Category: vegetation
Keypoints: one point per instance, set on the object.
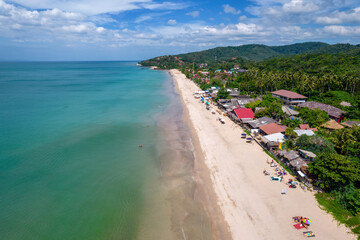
(335, 171)
(314, 117)
(346, 141)
(222, 94)
(315, 144)
(329, 203)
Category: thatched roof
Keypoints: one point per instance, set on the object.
(350, 124)
(331, 110)
(332, 124)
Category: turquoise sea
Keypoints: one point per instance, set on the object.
(70, 165)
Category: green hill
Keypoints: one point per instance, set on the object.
(253, 52)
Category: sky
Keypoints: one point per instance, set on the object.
(77, 30)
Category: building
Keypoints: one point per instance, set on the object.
(244, 113)
(291, 98)
(307, 127)
(289, 111)
(304, 132)
(307, 155)
(351, 124)
(272, 128)
(333, 112)
(255, 124)
(332, 125)
(276, 137)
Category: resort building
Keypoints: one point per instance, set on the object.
(255, 124)
(242, 113)
(272, 128)
(351, 124)
(304, 132)
(307, 127)
(333, 112)
(290, 98)
(332, 125)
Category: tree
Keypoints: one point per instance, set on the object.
(315, 144)
(349, 198)
(222, 94)
(335, 171)
(347, 141)
(314, 117)
(290, 133)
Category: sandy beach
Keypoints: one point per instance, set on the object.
(252, 206)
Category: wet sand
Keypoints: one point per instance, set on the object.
(180, 207)
(251, 205)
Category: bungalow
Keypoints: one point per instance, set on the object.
(255, 124)
(272, 141)
(304, 132)
(307, 155)
(333, 112)
(351, 124)
(332, 125)
(272, 128)
(307, 127)
(244, 113)
(289, 97)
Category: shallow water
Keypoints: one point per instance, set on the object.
(70, 166)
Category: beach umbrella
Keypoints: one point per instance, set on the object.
(306, 221)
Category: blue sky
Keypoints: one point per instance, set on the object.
(140, 29)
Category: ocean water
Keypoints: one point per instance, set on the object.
(70, 165)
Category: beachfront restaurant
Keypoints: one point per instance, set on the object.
(272, 141)
(307, 155)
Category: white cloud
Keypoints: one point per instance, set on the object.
(229, 9)
(93, 7)
(143, 18)
(300, 6)
(165, 5)
(194, 14)
(172, 22)
(352, 16)
(342, 30)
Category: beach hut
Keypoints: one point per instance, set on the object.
(332, 125)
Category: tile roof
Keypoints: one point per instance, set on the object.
(272, 128)
(288, 94)
(331, 110)
(307, 127)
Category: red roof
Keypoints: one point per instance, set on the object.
(272, 128)
(288, 94)
(307, 127)
(304, 126)
(244, 113)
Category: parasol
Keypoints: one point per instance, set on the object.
(306, 221)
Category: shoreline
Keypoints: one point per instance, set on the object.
(204, 193)
(251, 206)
